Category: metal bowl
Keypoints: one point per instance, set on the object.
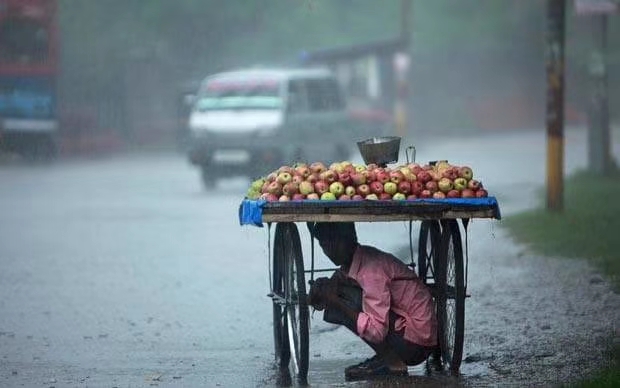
(380, 150)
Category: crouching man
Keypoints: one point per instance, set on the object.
(377, 297)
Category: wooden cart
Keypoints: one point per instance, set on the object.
(441, 262)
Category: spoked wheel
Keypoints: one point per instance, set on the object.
(280, 325)
(451, 296)
(430, 236)
(294, 323)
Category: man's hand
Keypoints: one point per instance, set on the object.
(322, 292)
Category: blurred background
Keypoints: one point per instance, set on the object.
(120, 68)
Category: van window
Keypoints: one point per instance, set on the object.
(297, 99)
(239, 94)
(324, 95)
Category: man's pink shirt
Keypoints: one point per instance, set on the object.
(389, 284)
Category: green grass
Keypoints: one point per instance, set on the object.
(589, 227)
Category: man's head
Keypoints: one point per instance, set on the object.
(337, 239)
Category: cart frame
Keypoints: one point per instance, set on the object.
(441, 264)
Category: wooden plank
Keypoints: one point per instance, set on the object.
(363, 217)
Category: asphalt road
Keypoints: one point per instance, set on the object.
(123, 272)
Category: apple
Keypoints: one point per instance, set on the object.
(336, 166)
(328, 196)
(345, 178)
(466, 172)
(417, 187)
(460, 183)
(411, 197)
(337, 188)
(284, 198)
(358, 178)
(298, 197)
(363, 190)
(431, 186)
(397, 176)
(312, 178)
(350, 191)
(439, 195)
(426, 194)
(357, 197)
(321, 187)
(390, 188)
(382, 176)
(404, 187)
(371, 175)
(371, 197)
(399, 197)
(317, 167)
(297, 179)
(468, 193)
(306, 188)
(269, 197)
(284, 177)
(329, 176)
(453, 194)
(474, 185)
(303, 170)
(385, 196)
(407, 174)
(275, 188)
(424, 176)
(271, 176)
(290, 188)
(287, 169)
(265, 185)
(313, 196)
(344, 197)
(360, 168)
(482, 193)
(257, 184)
(445, 185)
(435, 176)
(376, 187)
(414, 168)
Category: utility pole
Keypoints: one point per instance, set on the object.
(556, 24)
(401, 67)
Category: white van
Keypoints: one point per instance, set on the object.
(251, 122)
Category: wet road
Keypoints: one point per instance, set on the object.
(123, 272)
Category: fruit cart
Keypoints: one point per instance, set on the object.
(441, 262)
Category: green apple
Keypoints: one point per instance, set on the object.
(328, 196)
(390, 187)
(399, 197)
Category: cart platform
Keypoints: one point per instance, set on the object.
(257, 212)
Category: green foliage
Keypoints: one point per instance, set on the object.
(587, 228)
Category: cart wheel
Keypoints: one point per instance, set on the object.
(427, 248)
(451, 296)
(296, 308)
(280, 326)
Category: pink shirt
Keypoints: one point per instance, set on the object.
(411, 300)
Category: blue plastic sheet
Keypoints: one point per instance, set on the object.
(251, 211)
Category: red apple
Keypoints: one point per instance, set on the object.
(382, 176)
(344, 197)
(468, 193)
(321, 187)
(417, 187)
(312, 178)
(439, 195)
(358, 178)
(474, 185)
(290, 188)
(363, 190)
(345, 178)
(404, 187)
(426, 194)
(317, 167)
(329, 176)
(423, 176)
(303, 170)
(431, 186)
(482, 193)
(357, 197)
(453, 194)
(313, 196)
(385, 196)
(298, 197)
(275, 188)
(297, 178)
(269, 197)
(376, 187)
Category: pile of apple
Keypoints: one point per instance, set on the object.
(347, 181)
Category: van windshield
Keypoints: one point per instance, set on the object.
(245, 94)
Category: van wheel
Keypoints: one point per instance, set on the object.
(208, 179)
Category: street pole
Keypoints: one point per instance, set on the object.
(556, 20)
(402, 74)
(599, 152)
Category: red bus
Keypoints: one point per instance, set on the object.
(29, 56)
